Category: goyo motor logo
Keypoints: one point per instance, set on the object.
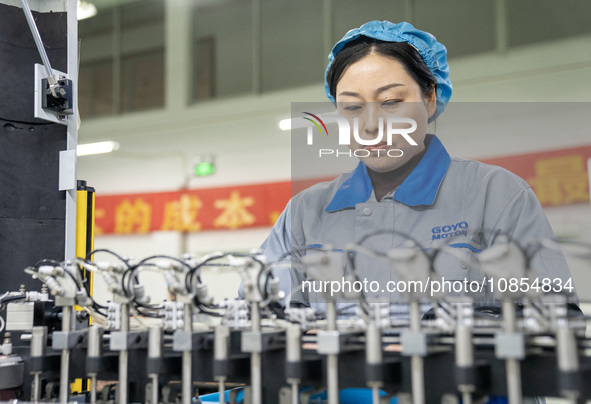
(389, 130)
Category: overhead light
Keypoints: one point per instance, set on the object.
(293, 123)
(96, 148)
(285, 124)
(85, 10)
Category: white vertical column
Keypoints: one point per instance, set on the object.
(501, 26)
(117, 56)
(178, 54)
(327, 11)
(409, 11)
(72, 127)
(257, 47)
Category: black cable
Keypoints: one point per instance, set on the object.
(145, 260)
(61, 265)
(148, 306)
(125, 287)
(97, 308)
(105, 250)
(142, 262)
(26, 123)
(76, 281)
(190, 277)
(48, 261)
(353, 254)
(100, 306)
(264, 293)
(204, 310)
(151, 315)
(13, 298)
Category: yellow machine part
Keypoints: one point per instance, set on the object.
(84, 245)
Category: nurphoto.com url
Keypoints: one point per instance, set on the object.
(436, 286)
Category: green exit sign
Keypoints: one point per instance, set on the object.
(204, 169)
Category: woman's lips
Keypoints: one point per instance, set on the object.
(376, 147)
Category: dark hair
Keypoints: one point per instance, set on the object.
(402, 52)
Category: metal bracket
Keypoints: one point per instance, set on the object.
(48, 107)
(124, 341)
(253, 342)
(510, 346)
(186, 341)
(335, 342)
(69, 340)
(414, 343)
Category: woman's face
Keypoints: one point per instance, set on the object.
(379, 87)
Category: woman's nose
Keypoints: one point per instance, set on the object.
(372, 121)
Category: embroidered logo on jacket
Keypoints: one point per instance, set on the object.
(448, 230)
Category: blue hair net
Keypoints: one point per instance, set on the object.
(433, 53)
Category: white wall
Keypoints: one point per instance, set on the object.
(243, 134)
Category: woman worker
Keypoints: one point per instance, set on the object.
(384, 69)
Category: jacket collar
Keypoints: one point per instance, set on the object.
(419, 188)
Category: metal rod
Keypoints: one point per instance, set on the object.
(466, 398)
(332, 360)
(512, 366)
(155, 352)
(567, 357)
(220, 353)
(221, 389)
(37, 37)
(464, 348)
(295, 396)
(38, 348)
(513, 370)
(36, 388)
(332, 370)
(294, 355)
(154, 391)
(95, 350)
(416, 362)
(415, 316)
(93, 389)
(187, 384)
(331, 316)
(256, 380)
(123, 357)
(65, 357)
(418, 382)
(375, 395)
(373, 356)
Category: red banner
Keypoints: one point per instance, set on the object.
(558, 178)
(192, 210)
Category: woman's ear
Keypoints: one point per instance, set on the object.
(431, 101)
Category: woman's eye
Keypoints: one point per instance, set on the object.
(352, 108)
(391, 103)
